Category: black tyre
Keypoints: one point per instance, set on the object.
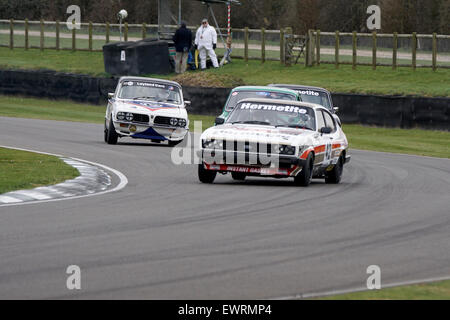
(174, 143)
(334, 176)
(238, 176)
(206, 176)
(111, 135)
(305, 176)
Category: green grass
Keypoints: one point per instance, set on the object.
(26, 170)
(404, 81)
(412, 141)
(427, 291)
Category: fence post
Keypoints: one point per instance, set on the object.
(11, 34)
(90, 35)
(246, 44)
(74, 37)
(282, 57)
(42, 35)
(308, 49)
(414, 50)
(336, 50)
(318, 47)
(374, 50)
(27, 44)
(394, 51)
(125, 33)
(144, 31)
(107, 32)
(354, 44)
(57, 35)
(263, 45)
(434, 51)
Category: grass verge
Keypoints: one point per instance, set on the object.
(383, 80)
(27, 170)
(426, 291)
(411, 141)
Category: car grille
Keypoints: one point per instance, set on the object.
(162, 120)
(140, 118)
(247, 153)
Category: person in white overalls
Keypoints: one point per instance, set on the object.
(206, 42)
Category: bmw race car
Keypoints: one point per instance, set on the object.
(146, 108)
(275, 138)
(313, 95)
(246, 92)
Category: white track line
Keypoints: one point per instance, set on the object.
(122, 184)
(353, 290)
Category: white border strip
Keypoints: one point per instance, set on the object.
(122, 183)
(354, 290)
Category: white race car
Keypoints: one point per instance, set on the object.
(275, 138)
(146, 108)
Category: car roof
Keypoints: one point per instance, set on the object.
(297, 87)
(131, 78)
(265, 88)
(285, 102)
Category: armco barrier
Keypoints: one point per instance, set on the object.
(383, 111)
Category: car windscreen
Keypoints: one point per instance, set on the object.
(240, 95)
(279, 115)
(152, 91)
(317, 97)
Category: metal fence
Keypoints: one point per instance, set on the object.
(373, 49)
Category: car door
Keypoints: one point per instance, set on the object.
(321, 140)
(331, 138)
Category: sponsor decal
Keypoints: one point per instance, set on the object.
(273, 107)
(309, 93)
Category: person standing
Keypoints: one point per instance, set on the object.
(183, 42)
(206, 43)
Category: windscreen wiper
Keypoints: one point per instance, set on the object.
(296, 126)
(253, 122)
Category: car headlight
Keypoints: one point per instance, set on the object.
(212, 144)
(129, 116)
(173, 121)
(182, 122)
(289, 150)
(120, 116)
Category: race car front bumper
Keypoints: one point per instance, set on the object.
(140, 131)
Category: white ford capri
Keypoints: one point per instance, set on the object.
(275, 138)
(146, 108)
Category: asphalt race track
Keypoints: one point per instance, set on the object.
(167, 236)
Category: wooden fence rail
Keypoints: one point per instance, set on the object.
(314, 49)
(290, 46)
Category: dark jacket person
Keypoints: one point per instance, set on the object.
(183, 43)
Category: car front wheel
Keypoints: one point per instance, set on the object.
(305, 176)
(111, 135)
(206, 176)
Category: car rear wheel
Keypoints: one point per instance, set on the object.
(111, 135)
(238, 176)
(334, 176)
(305, 176)
(206, 176)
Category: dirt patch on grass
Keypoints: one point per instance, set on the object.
(207, 79)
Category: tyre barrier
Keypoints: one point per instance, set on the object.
(383, 111)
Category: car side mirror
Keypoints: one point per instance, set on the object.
(187, 103)
(110, 95)
(219, 121)
(326, 130)
(336, 109)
